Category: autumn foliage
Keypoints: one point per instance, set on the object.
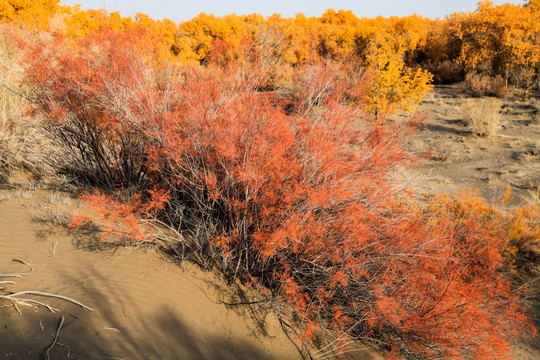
(290, 193)
(260, 147)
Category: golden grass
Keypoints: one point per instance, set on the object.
(482, 116)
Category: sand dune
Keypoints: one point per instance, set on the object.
(144, 307)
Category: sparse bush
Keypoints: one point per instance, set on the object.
(536, 109)
(525, 78)
(99, 127)
(483, 85)
(482, 116)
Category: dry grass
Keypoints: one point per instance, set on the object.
(23, 144)
(482, 116)
(56, 209)
(536, 112)
(534, 194)
(17, 194)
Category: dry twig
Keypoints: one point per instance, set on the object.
(14, 298)
(21, 261)
(11, 275)
(55, 338)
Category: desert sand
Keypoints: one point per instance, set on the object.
(460, 159)
(143, 306)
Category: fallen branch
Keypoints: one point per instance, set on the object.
(242, 302)
(55, 338)
(304, 354)
(13, 297)
(29, 302)
(11, 275)
(21, 261)
(16, 308)
(111, 328)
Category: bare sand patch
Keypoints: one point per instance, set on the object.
(461, 159)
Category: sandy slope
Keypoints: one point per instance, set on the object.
(144, 307)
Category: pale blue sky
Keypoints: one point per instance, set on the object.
(179, 10)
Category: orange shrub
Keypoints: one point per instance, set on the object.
(296, 202)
